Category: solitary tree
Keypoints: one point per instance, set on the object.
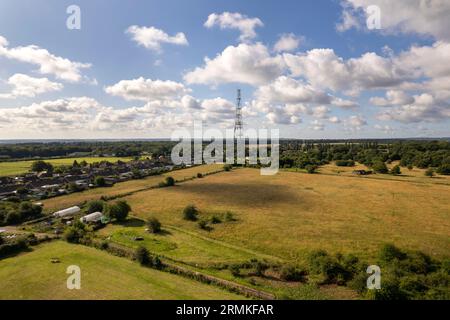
(170, 181)
(100, 181)
(119, 210)
(154, 225)
(143, 256)
(39, 166)
(380, 167)
(95, 206)
(190, 213)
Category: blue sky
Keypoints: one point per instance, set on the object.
(391, 93)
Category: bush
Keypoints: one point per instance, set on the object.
(390, 290)
(229, 216)
(396, 170)
(311, 169)
(235, 270)
(119, 211)
(154, 225)
(203, 224)
(39, 166)
(292, 273)
(26, 210)
(345, 163)
(227, 167)
(12, 217)
(321, 263)
(143, 256)
(100, 181)
(190, 213)
(389, 253)
(170, 182)
(215, 220)
(199, 175)
(429, 172)
(75, 233)
(380, 167)
(95, 206)
(444, 169)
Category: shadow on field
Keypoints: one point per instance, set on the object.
(244, 193)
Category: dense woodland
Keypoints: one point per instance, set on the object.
(421, 154)
(95, 148)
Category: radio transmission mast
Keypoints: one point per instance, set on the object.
(238, 123)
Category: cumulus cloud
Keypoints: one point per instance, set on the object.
(286, 90)
(86, 114)
(323, 68)
(26, 86)
(384, 128)
(423, 17)
(147, 89)
(238, 21)
(287, 42)
(152, 38)
(246, 63)
(48, 63)
(424, 107)
(393, 97)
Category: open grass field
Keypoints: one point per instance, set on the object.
(32, 276)
(18, 167)
(180, 245)
(414, 175)
(292, 213)
(53, 204)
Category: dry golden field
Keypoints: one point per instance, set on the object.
(292, 213)
(124, 187)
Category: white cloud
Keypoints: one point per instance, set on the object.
(393, 97)
(26, 86)
(287, 42)
(316, 125)
(334, 120)
(152, 38)
(245, 63)
(384, 128)
(323, 68)
(422, 108)
(321, 112)
(356, 122)
(237, 21)
(423, 17)
(280, 115)
(286, 90)
(147, 89)
(48, 63)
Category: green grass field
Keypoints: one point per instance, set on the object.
(19, 167)
(32, 276)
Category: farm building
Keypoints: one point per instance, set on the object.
(93, 217)
(67, 212)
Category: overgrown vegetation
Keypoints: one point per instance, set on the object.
(421, 154)
(15, 212)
